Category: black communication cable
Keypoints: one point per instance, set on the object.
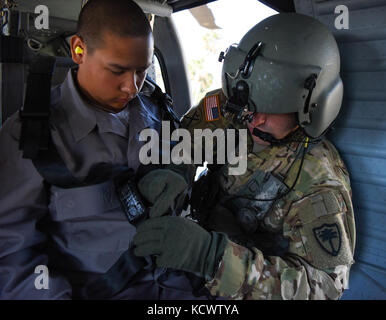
(305, 147)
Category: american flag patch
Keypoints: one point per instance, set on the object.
(212, 108)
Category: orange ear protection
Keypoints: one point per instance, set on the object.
(78, 50)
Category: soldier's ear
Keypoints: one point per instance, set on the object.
(78, 49)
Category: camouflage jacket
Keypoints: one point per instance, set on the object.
(315, 220)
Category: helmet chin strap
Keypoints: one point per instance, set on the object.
(267, 137)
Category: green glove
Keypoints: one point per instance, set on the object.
(181, 244)
(161, 187)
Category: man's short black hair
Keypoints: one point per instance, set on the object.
(121, 17)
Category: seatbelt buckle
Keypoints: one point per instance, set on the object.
(131, 201)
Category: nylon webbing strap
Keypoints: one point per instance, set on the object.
(166, 103)
(116, 278)
(11, 49)
(35, 134)
(52, 168)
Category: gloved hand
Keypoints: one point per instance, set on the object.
(161, 187)
(181, 244)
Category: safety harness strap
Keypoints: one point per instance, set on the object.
(11, 49)
(116, 278)
(35, 133)
(163, 100)
(12, 75)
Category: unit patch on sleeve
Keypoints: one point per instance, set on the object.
(329, 238)
(212, 108)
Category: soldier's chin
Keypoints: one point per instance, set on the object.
(113, 108)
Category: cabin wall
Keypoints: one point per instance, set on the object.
(360, 131)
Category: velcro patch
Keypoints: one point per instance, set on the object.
(319, 205)
(320, 230)
(326, 242)
(329, 238)
(212, 108)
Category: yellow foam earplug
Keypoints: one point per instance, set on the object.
(78, 50)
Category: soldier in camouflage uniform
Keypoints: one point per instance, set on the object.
(285, 228)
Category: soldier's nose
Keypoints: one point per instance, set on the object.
(129, 86)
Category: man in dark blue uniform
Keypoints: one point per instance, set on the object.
(78, 232)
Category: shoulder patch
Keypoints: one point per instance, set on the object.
(327, 242)
(212, 108)
(329, 238)
(320, 232)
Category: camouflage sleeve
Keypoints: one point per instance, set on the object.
(205, 117)
(206, 114)
(316, 265)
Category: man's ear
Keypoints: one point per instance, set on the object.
(78, 49)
